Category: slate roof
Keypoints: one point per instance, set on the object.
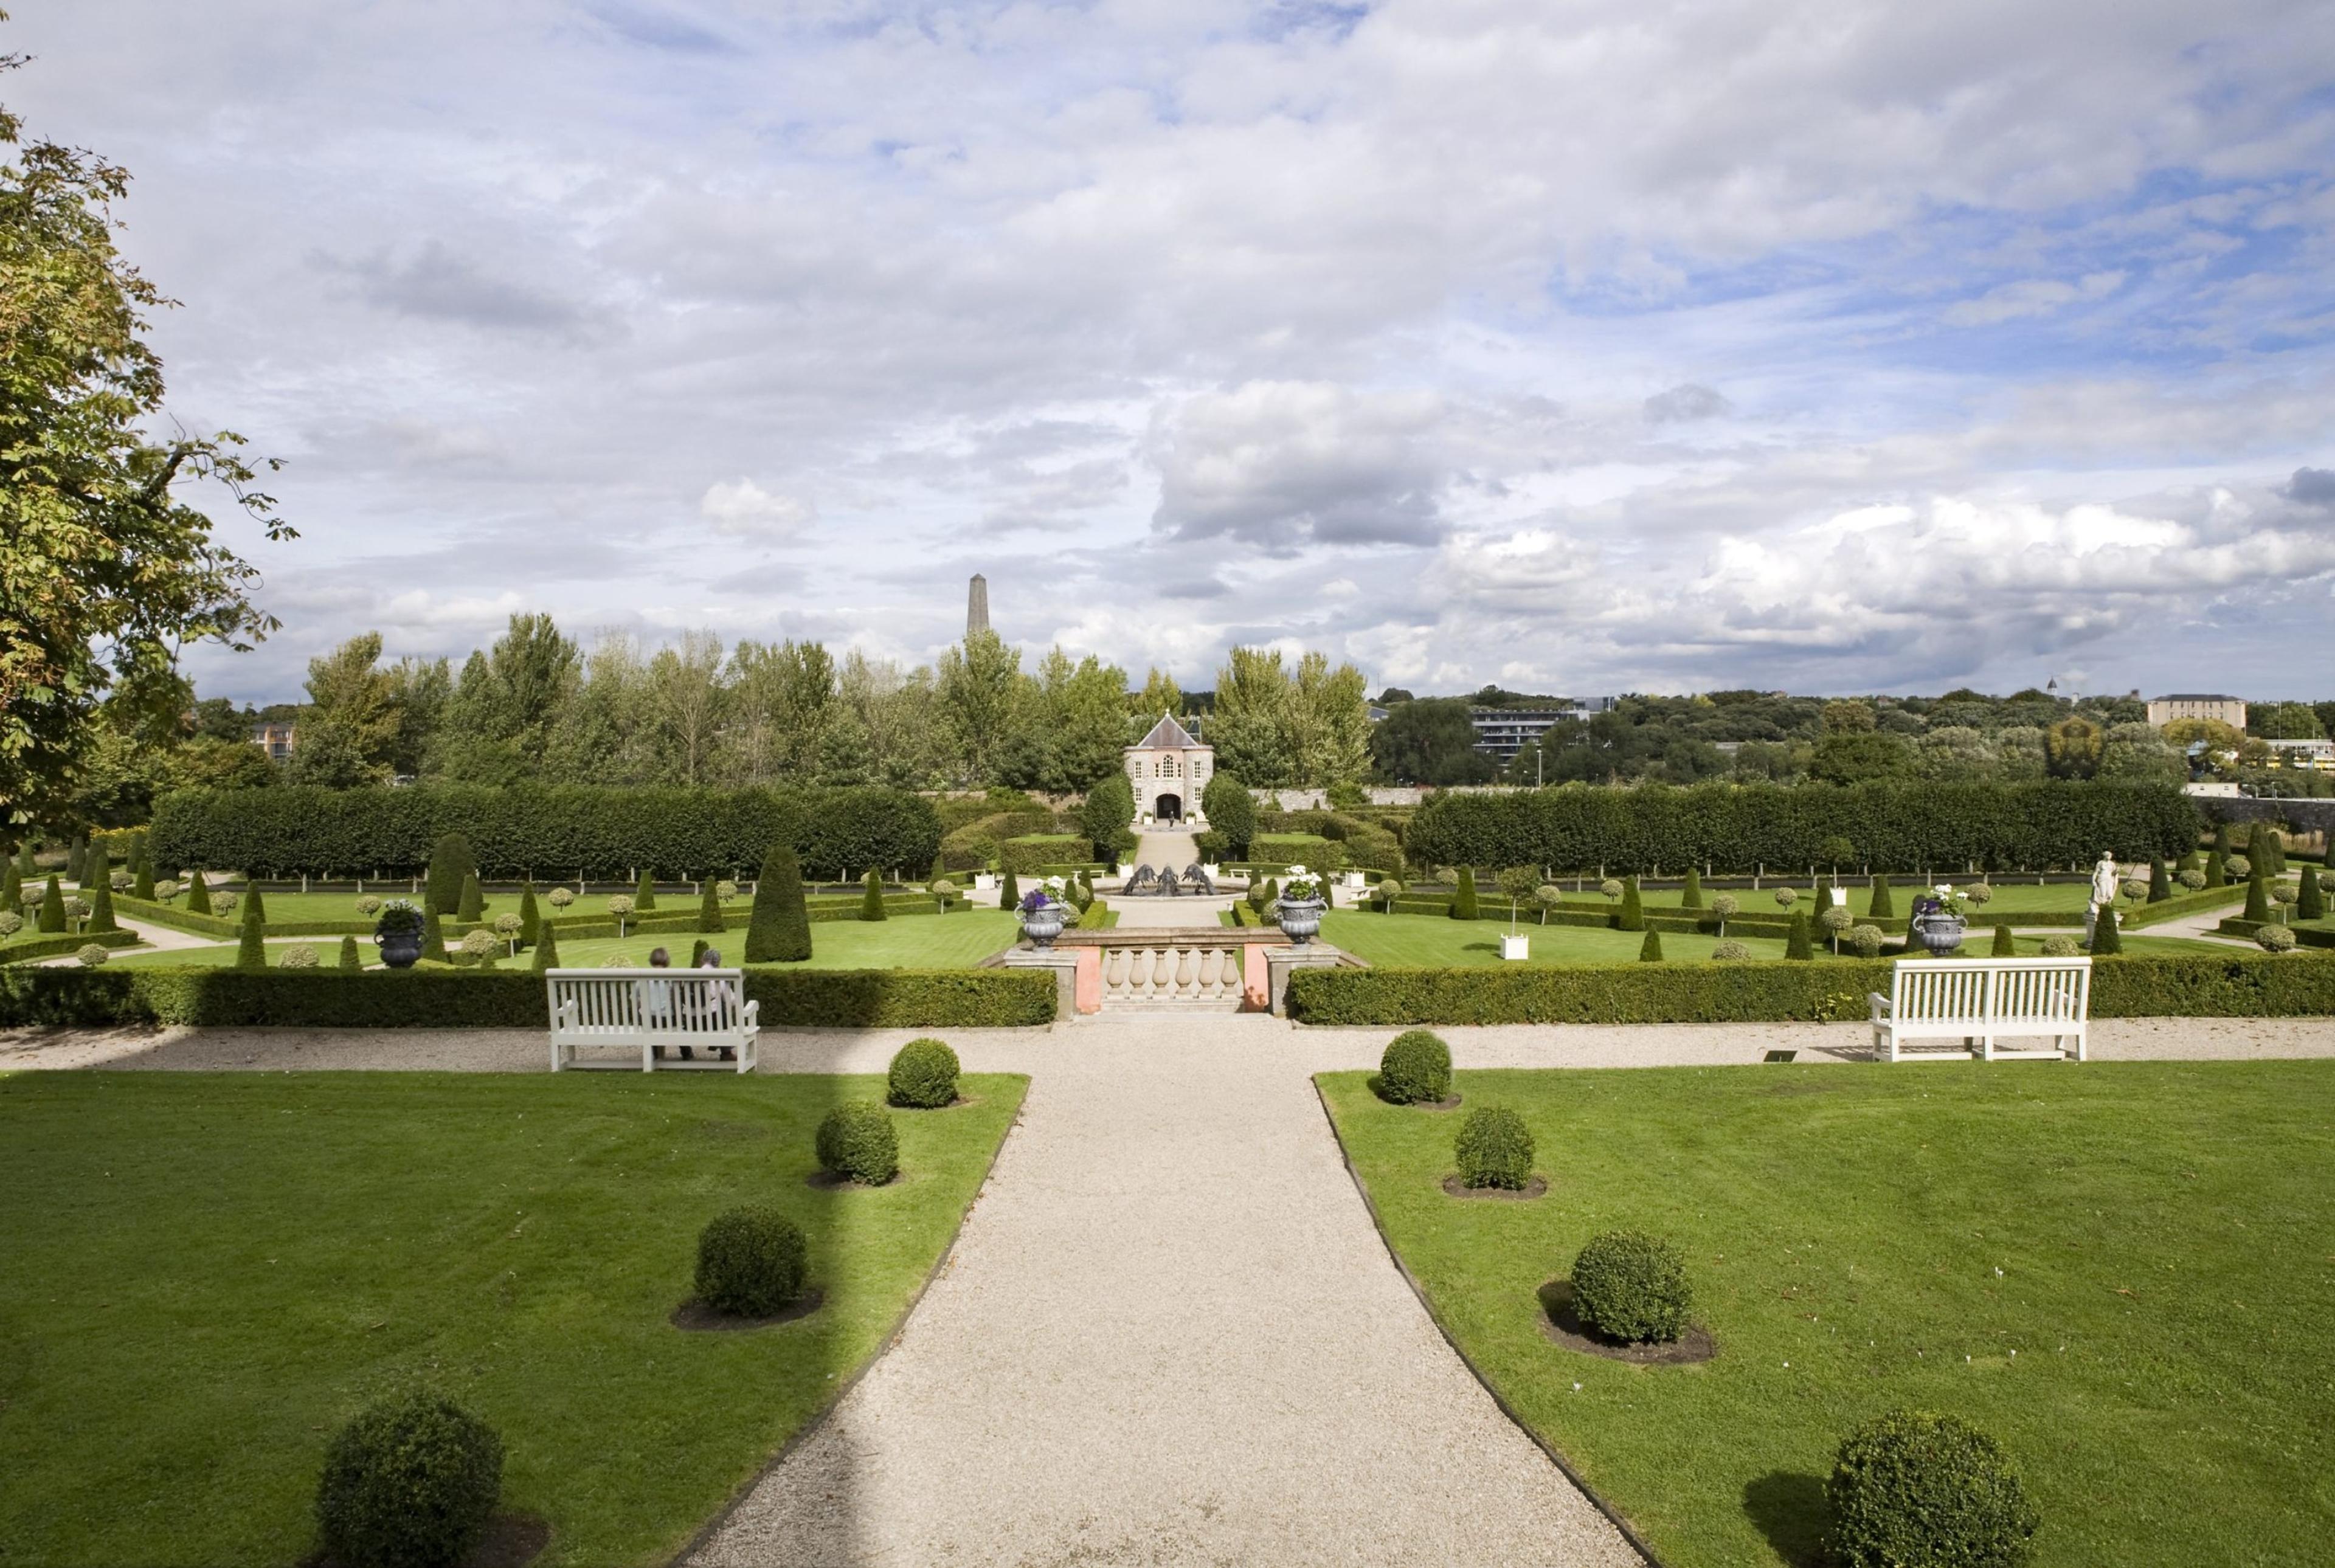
(1166, 736)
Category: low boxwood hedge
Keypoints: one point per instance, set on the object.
(61, 944)
(509, 998)
(2232, 985)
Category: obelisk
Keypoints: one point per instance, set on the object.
(976, 606)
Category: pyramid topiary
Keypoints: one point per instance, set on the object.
(871, 897)
(199, 894)
(101, 907)
(546, 949)
(1632, 915)
(1882, 906)
(709, 906)
(53, 908)
(1799, 942)
(473, 906)
(645, 895)
(1649, 951)
(1463, 900)
(1010, 895)
(433, 937)
(530, 917)
(2311, 899)
(2217, 873)
(77, 861)
(12, 888)
(253, 899)
(2257, 891)
(778, 929)
(2107, 938)
(2160, 880)
(2266, 844)
(1690, 894)
(141, 875)
(250, 950)
(2004, 948)
(351, 962)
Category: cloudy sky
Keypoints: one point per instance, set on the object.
(1583, 347)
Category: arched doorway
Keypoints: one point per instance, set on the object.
(1168, 808)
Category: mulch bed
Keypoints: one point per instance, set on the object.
(695, 1317)
(1531, 1189)
(1560, 1325)
(961, 1099)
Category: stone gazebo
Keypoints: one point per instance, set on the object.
(1169, 770)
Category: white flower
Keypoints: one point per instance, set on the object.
(1297, 871)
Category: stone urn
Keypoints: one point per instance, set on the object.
(1939, 931)
(399, 949)
(1300, 919)
(1043, 924)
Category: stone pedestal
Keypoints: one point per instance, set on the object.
(1064, 963)
(1280, 961)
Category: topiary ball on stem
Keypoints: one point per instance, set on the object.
(1913, 1487)
(1633, 1287)
(1416, 1069)
(410, 1483)
(1493, 1149)
(922, 1076)
(751, 1262)
(856, 1143)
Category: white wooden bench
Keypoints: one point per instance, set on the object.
(652, 1010)
(1977, 1002)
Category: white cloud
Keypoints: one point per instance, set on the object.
(2033, 296)
(742, 507)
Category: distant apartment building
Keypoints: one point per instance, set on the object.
(1502, 732)
(273, 737)
(2230, 711)
(2314, 754)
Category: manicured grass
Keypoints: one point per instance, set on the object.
(2150, 1239)
(957, 941)
(207, 1274)
(1433, 942)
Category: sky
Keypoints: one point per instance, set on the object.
(1582, 347)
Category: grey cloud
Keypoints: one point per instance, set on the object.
(1686, 400)
(435, 283)
(2312, 487)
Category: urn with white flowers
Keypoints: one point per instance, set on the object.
(1937, 923)
(1299, 911)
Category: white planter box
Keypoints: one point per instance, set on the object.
(1517, 947)
(1355, 880)
(982, 882)
(1121, 872)
(1212, 872)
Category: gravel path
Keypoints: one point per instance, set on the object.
(1169, 1333)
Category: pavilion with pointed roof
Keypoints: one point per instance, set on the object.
(1168, 769)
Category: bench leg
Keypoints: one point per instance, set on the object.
(648, 1058)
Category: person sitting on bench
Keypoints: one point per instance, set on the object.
(720, 999)
(656, 1004)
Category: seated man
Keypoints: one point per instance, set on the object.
(656, 1004)
(721, 1002)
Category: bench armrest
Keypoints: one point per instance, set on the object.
(750, 1017)
(1881, 1006)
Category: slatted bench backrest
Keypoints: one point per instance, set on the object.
(629, 1006)
(2000, 989)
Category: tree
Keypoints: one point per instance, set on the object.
(107, 572)
(1329, 723)
(1231, 811)
(1160, 694)
(685, 679)
(1432, 742)
(355, 713)
(1080, 712)
(52, 917)
(1632, 916)
(1845, 716)
(1108, 813)
(785, 696)
(500, 716)
(1858, 756)
(2073, 745)
(778, 930)
(1463, 898)
(1249, 725)
(2284, 722)
(530, 917)
(981, 699)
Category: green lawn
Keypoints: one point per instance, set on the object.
(207, 1274)
(342, 905)
(957, 941)
(1436, 942)
(2152, 1240)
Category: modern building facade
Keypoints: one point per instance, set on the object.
(1502, 732)
(275, 738)
(1168, 769)
(2230, 711)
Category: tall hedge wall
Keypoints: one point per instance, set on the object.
(1737, 827)
(2235, 984)
(499, 998)
(568, 831)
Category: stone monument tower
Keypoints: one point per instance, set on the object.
(976, 606)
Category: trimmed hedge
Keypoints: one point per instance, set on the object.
(1493, 1148)
(1894, 826)
(25, 949)
(857, 1142)
(1631, 1286)
(2232, 985)
(1416, 1069)
(923, 1075)
(751, 1262)
(605, 833)
(1037, 854)
(512, 998)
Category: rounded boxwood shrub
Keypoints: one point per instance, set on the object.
(1493, 1148)
(2271, 938)
(1416, 1068)
(751, 1262)
(1631, 1286)
(857, 1141)
(90, 954)
(924, 1075)
(1730, 951)
(2061, 945)
(410, 1483)
(1911, 1488)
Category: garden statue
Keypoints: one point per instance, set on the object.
(2105, 880)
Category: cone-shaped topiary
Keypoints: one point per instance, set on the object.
(1632, 915)
(697, 949)
(2311, 899)
(12, 888)
(709, 906)
(1649, 951)
(473, 906)
(1911, 1488)
(644, 895)
(1799, 942)
(546, 949)
(1009, 896)
(1691, 896)
(1633, 1287)
(24, 866)
(433, 937)
(530, 916)
(253, 899)
(2004, 948)
(199, 894)
(2257, 891)
(1463, 899)
(2265, 844)
(923, 1075)
(1493, 1149)
(2106, 937)
(409, 1484)
(751, 1262)
(101, 907)
(778, 930)
(250, 950)
(1881, 906)
(2160, 880)
(53, 908)
(451, 860)
(2217, 872)
(351, 962)
(1415, 1070)
(142, 884)
(871, 897)
(77, 861)
(857, 1142)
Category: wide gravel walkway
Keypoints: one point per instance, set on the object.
(1169, 1333)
